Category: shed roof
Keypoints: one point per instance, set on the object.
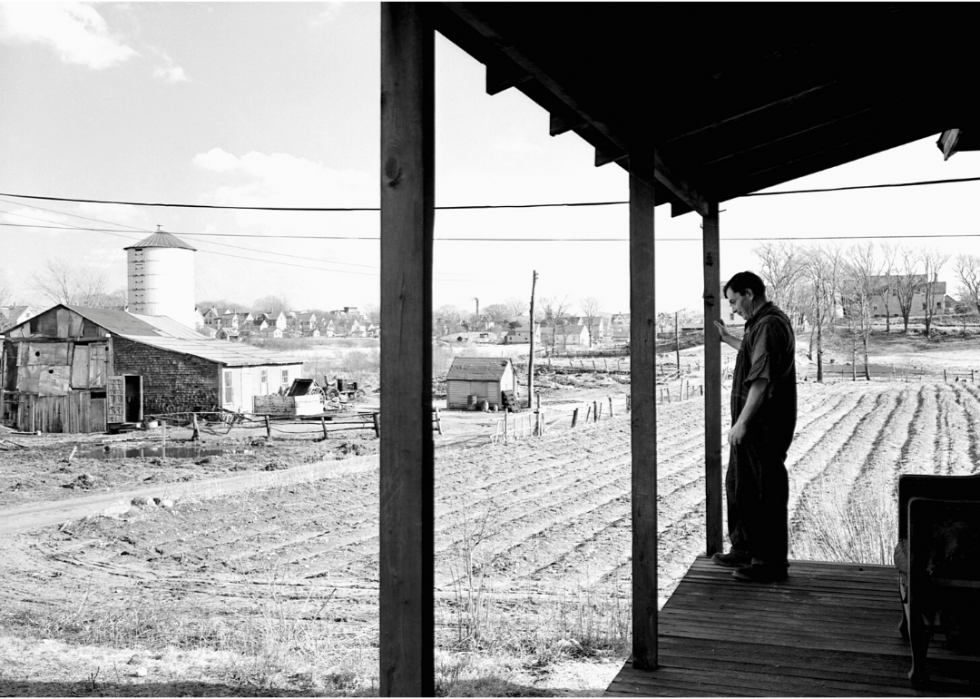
(477, 369)
(734, 97)
(161, 239)
(170, 327)
(227, 353)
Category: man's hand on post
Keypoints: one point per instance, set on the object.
(723, 331)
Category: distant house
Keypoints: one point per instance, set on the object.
(306, 323)
(77, 369)
(483, 377)
(939, 301)
(619, 327)
(521, 332)
(212, 319)
(228, 334)
(14, 315)
(564, 336)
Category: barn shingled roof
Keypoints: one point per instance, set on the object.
(477, 369)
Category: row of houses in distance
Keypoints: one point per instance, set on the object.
(232, 324)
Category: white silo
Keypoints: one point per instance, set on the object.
(161, 277)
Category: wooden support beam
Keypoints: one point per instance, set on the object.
(678, 185)
(407, 463)
(713, 305)
(503, 75)
(643, 421)
(564, 123)
(612, 154)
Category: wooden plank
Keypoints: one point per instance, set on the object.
(407, 450)
(63, 316)
(643, 421)
(712, 382)
(53, 380)
(80, 366)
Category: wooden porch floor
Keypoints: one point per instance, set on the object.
(829, 630)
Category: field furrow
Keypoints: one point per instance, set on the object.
(971, 408)
(808, 462)
(957, 428)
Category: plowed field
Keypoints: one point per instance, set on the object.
(519, 528)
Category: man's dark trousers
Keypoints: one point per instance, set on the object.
(758, 496)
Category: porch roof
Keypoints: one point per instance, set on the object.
(736, 97)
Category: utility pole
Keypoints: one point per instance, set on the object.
(477, 311)
(530, 361)
(677, 343)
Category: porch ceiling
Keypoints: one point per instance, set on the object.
(734, 97)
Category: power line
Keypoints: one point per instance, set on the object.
(821, 190)
(509, 240)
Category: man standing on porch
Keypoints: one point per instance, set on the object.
(763, 421)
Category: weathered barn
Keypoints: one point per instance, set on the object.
(484, 377)
(76, 369)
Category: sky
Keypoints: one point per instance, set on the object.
(277, 104)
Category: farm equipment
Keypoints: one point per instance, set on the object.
(342, 395)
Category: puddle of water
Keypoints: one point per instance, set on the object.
(158, 451)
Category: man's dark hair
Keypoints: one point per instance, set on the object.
(745, 280)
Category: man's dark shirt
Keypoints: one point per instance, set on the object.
(768, 351)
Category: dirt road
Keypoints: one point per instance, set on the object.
(36, 515)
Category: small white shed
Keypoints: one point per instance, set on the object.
(483, 377)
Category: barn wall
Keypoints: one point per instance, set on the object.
(172, 382)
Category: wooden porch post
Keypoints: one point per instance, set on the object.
(713, 303)
(643, 420)
(407, 214)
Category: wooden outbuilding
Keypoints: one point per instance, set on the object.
(700, 104)
(477, 379)
(77, 369)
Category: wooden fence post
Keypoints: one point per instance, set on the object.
(574, 417)
(588, 412)
(268, 428)
(944, 376)
(628, 404)
(195, 434)
(505, 426)
(323, 424)
(438, 420)
(376, 419)
(163, 429)
(595, 411)
(610, 408)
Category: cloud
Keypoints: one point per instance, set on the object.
(170, 73)
(280, 179)
(76, 31)
(327, 15)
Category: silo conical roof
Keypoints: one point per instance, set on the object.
(161, 239)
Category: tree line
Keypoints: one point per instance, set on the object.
(824, 286)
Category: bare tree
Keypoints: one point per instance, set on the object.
(556, 317)
(591, 307)
(61, 281)
(905, 284)
(932, 262)
(780, 270)
(449, 317)
(271, 304)
(863, 268)
(887, 283)
(820, 268)
(6, 290)
(967, 269)
(517, 307)
(497, 313)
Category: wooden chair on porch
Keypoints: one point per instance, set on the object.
(938, 561)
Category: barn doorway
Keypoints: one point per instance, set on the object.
(134, 398)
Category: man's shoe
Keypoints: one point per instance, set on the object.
(732, 559)
(762, 572)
